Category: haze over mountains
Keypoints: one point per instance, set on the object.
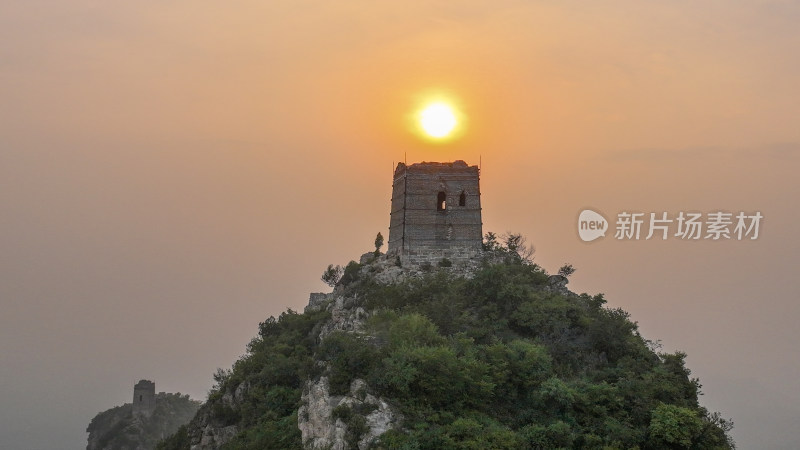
(193, 166)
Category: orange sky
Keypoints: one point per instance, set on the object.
(173, 173)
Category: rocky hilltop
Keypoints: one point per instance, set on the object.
(490, 352)
(120, 429)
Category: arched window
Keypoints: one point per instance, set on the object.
(441, 202)
(462, 200)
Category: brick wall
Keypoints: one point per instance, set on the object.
(420, 225)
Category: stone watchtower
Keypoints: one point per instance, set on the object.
(436, 212)
(144, 397)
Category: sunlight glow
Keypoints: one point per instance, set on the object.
(438, 120)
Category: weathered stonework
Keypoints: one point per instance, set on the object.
(144, 398)
(436, 212)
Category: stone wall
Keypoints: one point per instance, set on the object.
(144, 397)
(436, 208)
(434, 256)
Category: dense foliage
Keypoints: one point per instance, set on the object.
(277, 363)
(499, 362)
(495, 361)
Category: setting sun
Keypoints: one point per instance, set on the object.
(438, 120)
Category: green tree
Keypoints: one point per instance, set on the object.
(378, 243)
(512, 250)
(350, 273)
(490, 243)
(518, 247)
(674, 426)
(494, 361)
(332, 275)
(566, 270)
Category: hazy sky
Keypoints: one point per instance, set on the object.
(173, 173)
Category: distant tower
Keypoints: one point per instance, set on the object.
(436, 212)
(144, 397)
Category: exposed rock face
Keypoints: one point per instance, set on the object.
(329, 421)
(391, 269)
(558, 284)
(344, 317)
(213, 437)
(366, 258)
(386, 270)
(208, 432)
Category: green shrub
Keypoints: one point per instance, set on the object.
(495, 361)
(348, 358)
(342, 412)
(674, 426)
(351, 273)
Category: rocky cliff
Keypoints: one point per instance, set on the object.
(488, 353)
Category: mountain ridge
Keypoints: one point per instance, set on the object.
(487, 353)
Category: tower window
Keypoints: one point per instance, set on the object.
(441, 202)
(462, 200)
(140, 399)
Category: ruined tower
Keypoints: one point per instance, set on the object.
(144, 397)
(436, 212)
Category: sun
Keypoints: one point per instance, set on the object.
(438, 120)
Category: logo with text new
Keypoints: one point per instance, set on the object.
(591, 225)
